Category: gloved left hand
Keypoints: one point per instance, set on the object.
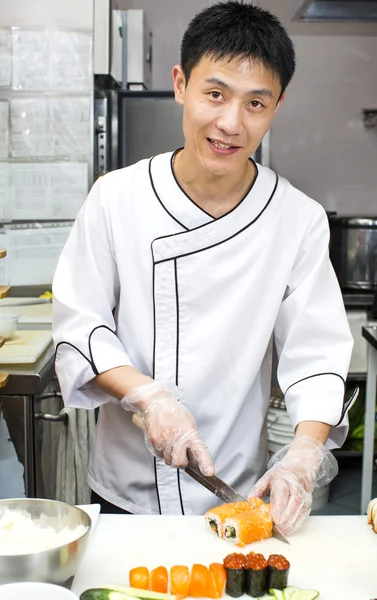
(293, 473)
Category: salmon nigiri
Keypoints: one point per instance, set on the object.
(139, 578)
(159, 580)
(180, 581)
(199, 581)
(216, 580)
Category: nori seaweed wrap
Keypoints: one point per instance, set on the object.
(235, 574)
(278, 570)
(256, 568)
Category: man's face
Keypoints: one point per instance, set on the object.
(228, 108)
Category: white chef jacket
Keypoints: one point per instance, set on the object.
(147, 278)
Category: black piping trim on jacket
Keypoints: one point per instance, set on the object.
(344, 409)
(346, 404)
(315, 375)
(154, 372)
(222, 241)
(89, 360)
(159, 199)
(72, 346)
(197, 205)
(177, 365)
(90, 347)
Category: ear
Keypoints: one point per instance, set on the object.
(179, 83)
(280, 102)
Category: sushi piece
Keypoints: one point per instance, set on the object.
(372, 514)
(214, 518)
(234, 565)
(216, 581)
(180, 581)
(139, 578)
(199, 581)
(248, 527)
(278, 570)
(256, 580)
(159, 580)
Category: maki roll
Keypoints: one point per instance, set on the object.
(256, 568)
(248, 527)
(278, 570)
(216, 516)
(235, 574)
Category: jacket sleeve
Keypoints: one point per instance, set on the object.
(313, 338)
(85, 291)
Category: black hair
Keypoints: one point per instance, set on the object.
(235, 29)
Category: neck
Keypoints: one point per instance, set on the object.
(217, 195)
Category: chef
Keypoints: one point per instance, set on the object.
(179, 273)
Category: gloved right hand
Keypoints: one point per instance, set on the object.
(170, 429)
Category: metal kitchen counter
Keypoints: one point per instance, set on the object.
(370, 334)
(27, 381)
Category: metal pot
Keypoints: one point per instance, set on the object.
(353, 251)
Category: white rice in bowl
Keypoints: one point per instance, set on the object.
(20, 534)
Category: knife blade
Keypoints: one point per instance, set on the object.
(214, 484)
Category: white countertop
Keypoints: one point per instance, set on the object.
(336, 555)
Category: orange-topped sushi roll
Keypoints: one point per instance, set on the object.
(216, 516)
(247, 527)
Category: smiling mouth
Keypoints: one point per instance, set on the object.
(220, 145)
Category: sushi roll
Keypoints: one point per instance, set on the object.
(278, 570)
(235, 574)
(248, 527)
(256, 569)
(214, 518)
(372, 514)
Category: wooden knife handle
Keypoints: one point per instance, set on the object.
(138, 421)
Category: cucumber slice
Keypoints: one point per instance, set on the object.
(289, 591)
(305, 595)
(103, 594)
(136, 593)
(277, 594)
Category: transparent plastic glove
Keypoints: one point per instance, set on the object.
(170, 430)
(293, 473)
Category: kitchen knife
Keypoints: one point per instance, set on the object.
(217, 486)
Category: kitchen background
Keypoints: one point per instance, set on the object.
(59, 129)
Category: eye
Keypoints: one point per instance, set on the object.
(256, 104)
(215, 95)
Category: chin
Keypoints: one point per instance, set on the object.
(218, 168)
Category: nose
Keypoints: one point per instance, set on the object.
(230, 119)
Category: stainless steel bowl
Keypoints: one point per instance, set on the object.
(55, 565)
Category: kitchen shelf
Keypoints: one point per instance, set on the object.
(361, 299)
(356, 377)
